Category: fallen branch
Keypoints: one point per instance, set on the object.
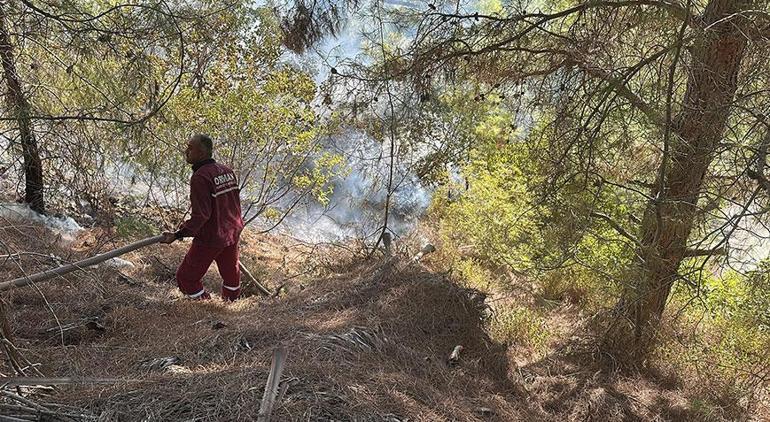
(34, 381)
(27, 410)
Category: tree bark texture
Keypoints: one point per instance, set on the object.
(668, 219)
(19, 106)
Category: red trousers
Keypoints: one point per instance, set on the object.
(197, 262)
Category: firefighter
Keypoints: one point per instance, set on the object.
(215, 224)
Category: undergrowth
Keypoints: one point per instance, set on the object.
(517, 325)
(715, 339)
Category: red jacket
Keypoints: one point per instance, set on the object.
(216, 207)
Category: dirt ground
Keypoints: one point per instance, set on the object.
(367, 340)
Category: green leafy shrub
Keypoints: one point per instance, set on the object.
(721, 342)
(131, 226)
(475, 275)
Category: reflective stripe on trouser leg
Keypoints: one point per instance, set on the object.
(194, 267)
(197, 295)
(227, 263)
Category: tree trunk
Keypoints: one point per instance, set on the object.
(668, 219)
(18, 105)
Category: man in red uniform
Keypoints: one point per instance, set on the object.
(215, 224)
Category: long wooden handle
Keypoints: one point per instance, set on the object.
(64, 269)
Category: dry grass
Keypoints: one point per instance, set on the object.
(366, 341)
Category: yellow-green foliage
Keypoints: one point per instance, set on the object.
(725, 338)
(474, 275)
(519, 325)
(501, 215)
(497, 226)
(259, 113)
(490, 220)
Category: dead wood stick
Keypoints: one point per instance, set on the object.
(271, 388)
(261, 288)
(18, 355)
(64, 269)
(56, 414)
(18, 398)
(28, 381)
(12, 419)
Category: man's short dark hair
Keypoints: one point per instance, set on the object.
(206, 141)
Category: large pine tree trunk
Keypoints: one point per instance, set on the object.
(668, 220)
(18, 105)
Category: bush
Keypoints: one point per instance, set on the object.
(131, 226)
(519, 325)
(721, 342)
(476, 276)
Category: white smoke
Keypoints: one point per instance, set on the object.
(357, 206)
(749, 237)
(20, 213)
